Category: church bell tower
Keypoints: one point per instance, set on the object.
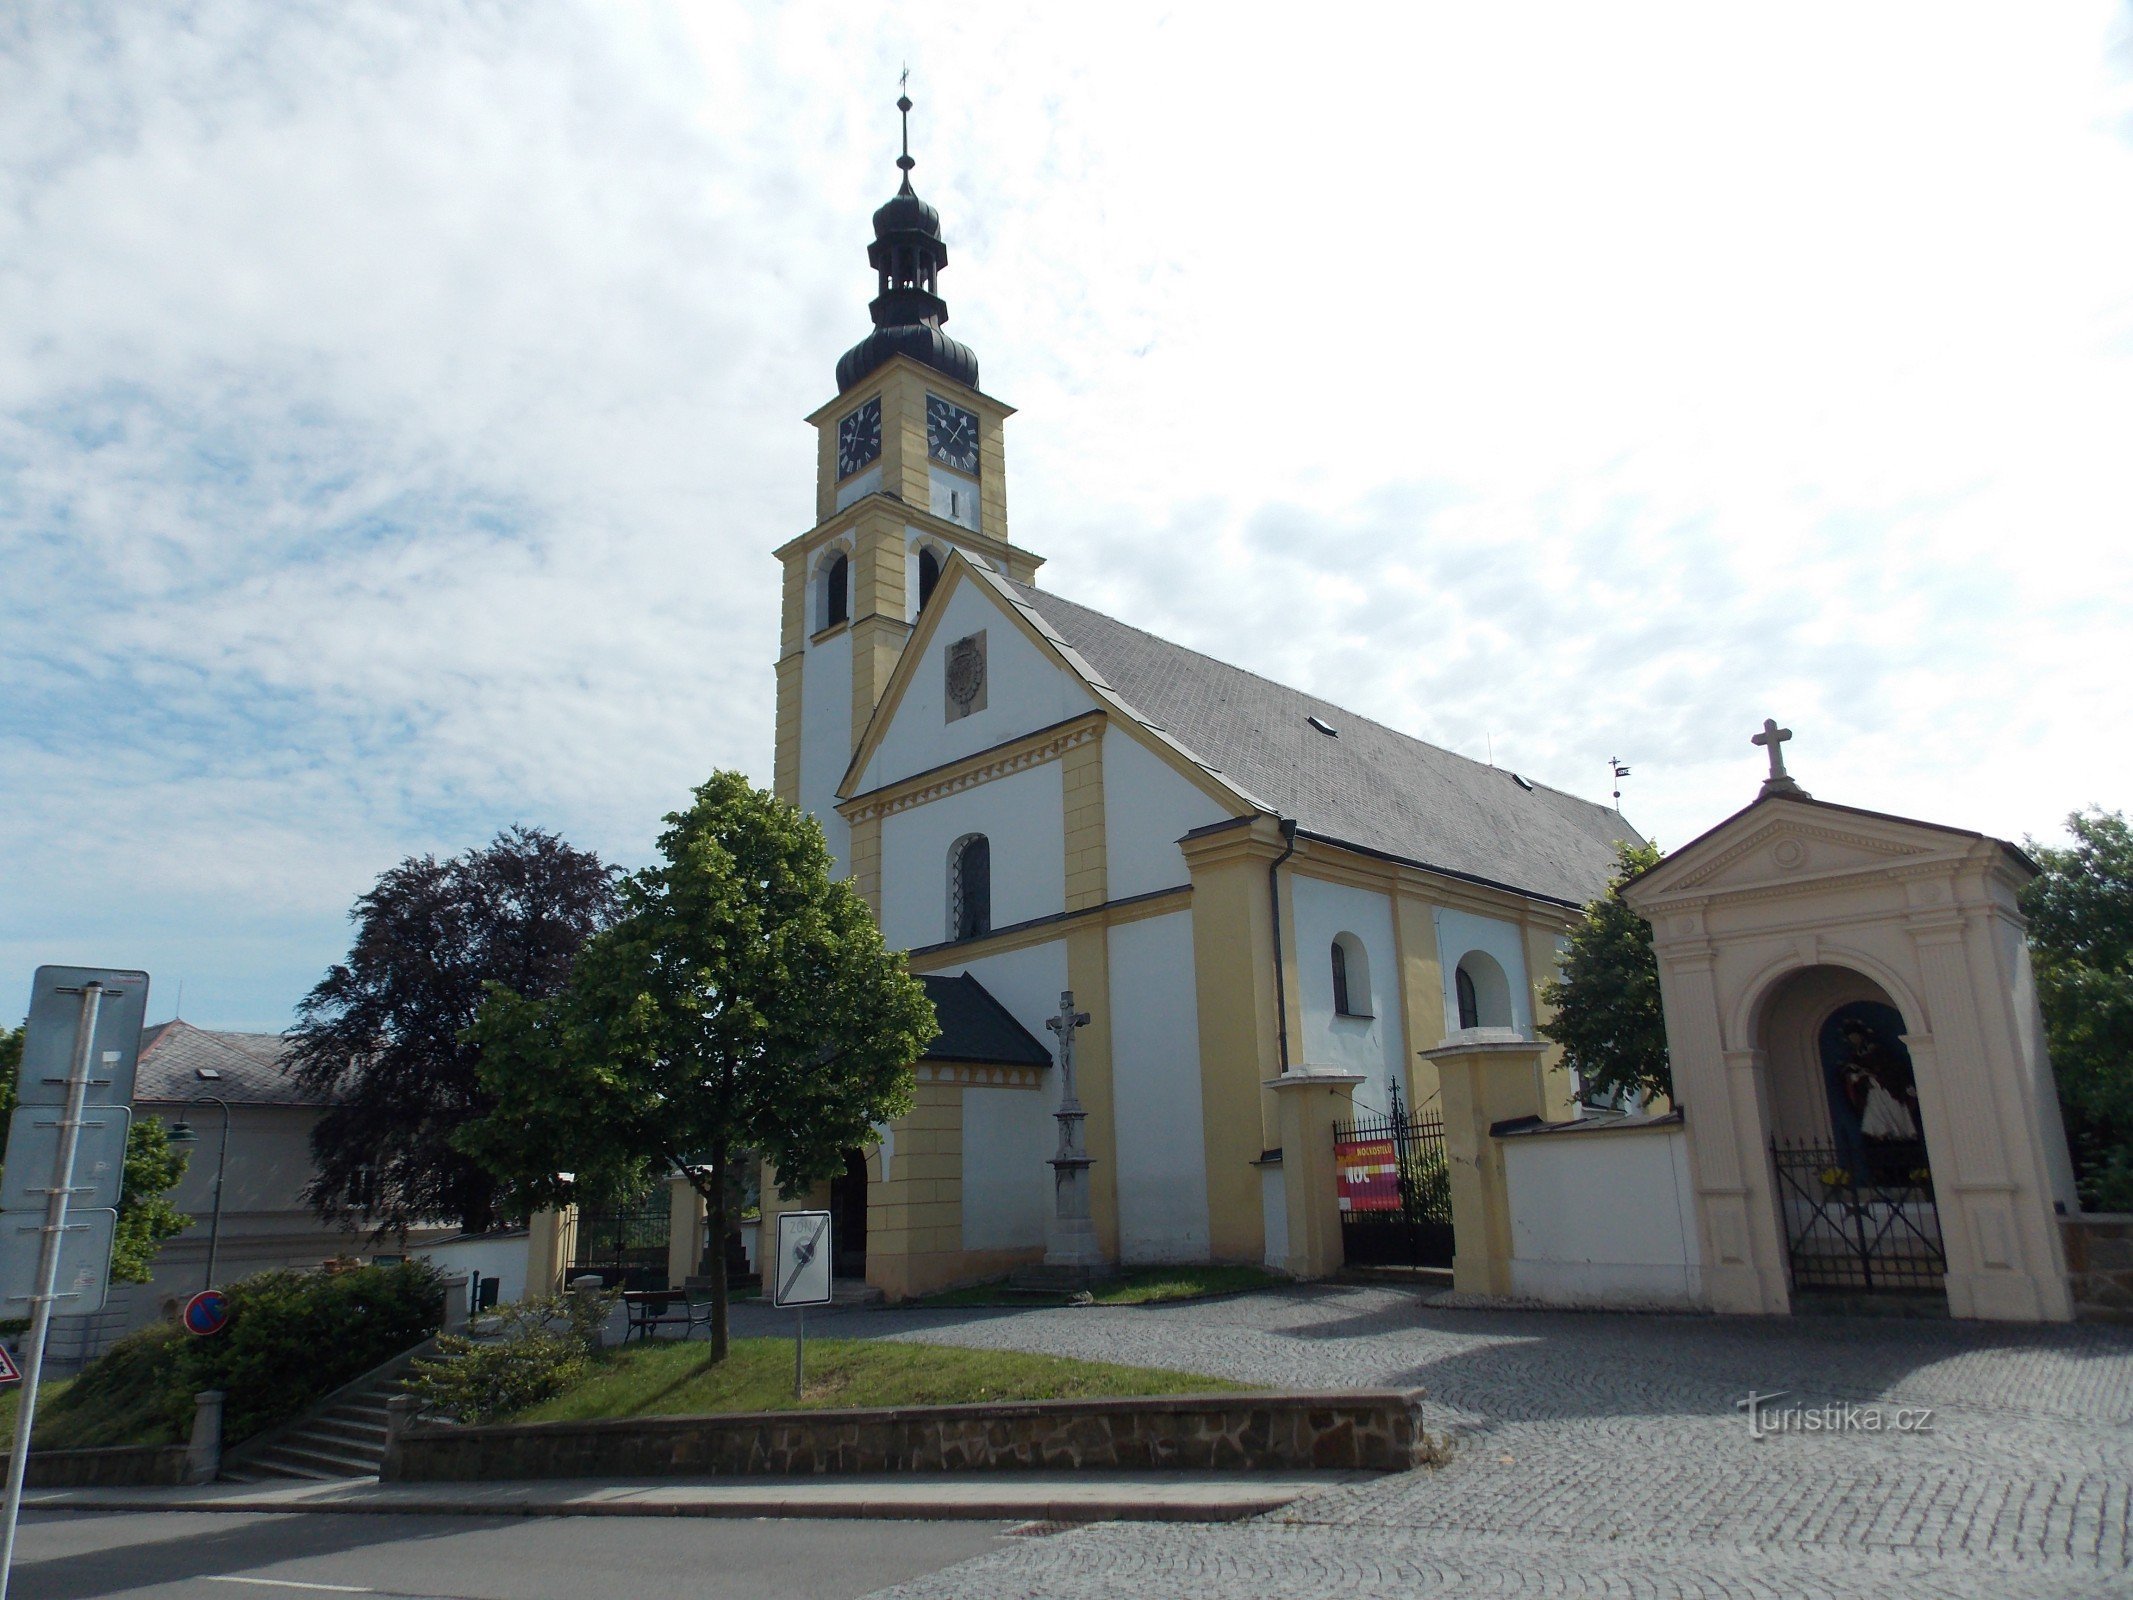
(909, 467)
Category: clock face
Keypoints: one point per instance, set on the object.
(859, 438)
(951, 435)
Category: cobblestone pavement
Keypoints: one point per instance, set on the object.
(1599, 1454)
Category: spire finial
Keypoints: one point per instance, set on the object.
(903, 104)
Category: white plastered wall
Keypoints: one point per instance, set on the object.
(1603, 1218)
(826, 737)
(1026, 689)
(1155, 1092)
(1023, 817)
(1376, 1045)
(1148, 807)
(1004, 1187)
(1461, 931)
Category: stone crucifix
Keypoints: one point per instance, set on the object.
(1074, 1233)
(1772, 738)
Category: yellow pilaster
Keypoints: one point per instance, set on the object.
(866, 861)
(1558, 1101)
(1483, 1084)
(1089, 976)
(785, 767)
(915, 1218)
(551, 1240)
(1081, 772)
(1233, 981)
(1421, 991)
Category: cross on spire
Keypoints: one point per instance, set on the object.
(1772, 739)
(903, 105)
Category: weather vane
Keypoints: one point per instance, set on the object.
(1614, 765)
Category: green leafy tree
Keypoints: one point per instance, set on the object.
(145, 1215)
(383, 1039)
(1606, 995)
(743, 1003)
(2080, 910)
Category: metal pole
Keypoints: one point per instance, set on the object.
(55, 1222)
(214, 1226)
(799, 1363)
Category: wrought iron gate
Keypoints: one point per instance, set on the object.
(1860, 1222)
(625, 1243)
(1395, 1190)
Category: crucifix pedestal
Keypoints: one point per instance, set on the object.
(1074, 1257)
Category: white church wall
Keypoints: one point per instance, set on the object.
(1155, 1092)
(1025, 690)
(1373, 1045)
(1022, 815)
(1148, 807)
(826, 738)
(1007, 1138)
(1603, 1218)
(1274, 1214)
(1028, 982)
(1459, 932)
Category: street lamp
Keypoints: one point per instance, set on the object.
(181, 1132)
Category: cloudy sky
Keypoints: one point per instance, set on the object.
(398, 404)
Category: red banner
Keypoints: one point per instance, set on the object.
(1369, 1174)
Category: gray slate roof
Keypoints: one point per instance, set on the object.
(1371, 786)
(248, 1064)
(977, 1028)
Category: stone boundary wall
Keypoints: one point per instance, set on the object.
(1376, 1430)
(2099, 1264)
(125, 1466)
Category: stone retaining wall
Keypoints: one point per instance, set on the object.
(1370, 1430)
(157, 1466)
(2099, 1264)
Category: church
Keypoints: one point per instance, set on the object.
(1243, 886)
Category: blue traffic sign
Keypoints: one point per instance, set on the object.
(207, 1312)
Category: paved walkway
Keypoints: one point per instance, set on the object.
(1606, 1455)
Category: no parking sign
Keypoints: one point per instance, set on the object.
(206, 1312)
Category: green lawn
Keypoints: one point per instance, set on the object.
(673, 1378)
(11, 1406)
(1152, 1286)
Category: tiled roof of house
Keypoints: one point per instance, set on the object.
(246, 1067)
(977, 1028)
(1361, 784)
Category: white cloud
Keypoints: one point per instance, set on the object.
(397, 407)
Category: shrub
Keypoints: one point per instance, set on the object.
(529, 1360)
(294, 1337)
(134, 1393)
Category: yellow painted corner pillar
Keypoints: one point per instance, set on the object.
(1306, 1106)
(1483, 1082)
(1421, 990)
(1233, 976)
(551, 1240)
(685, 1231)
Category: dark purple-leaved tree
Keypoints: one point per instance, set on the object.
(383, 1037)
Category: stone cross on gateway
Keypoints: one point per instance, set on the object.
(1772, 738)
(1073, 1233)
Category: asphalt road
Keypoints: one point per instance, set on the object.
(201, 1556)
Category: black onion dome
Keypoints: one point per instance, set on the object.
(926, 345)
(906, 213)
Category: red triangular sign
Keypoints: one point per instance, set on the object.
(9, 1373)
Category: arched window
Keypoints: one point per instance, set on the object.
(1351, 977)
(970, 887)
(836, 597)
(929, 576)
(1484, 992)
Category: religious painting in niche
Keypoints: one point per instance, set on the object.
(965, 664)
(1873, 1094)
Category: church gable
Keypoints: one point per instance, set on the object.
(972, 677)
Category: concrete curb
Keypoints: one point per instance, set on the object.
(1081, 1497)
